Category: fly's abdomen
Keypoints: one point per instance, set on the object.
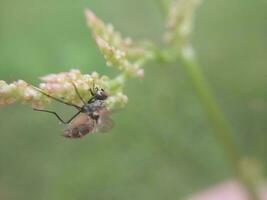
(78, 132)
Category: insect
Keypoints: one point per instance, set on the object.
(92, 116)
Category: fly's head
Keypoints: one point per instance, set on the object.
(99, 94)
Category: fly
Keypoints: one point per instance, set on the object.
(93, 116)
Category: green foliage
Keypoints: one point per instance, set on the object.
(160, 146)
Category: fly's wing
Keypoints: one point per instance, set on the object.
(104, 123)
(81, 125)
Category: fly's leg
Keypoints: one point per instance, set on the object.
(92, 99)
(78, 94)
(54, 113)
(92, 92)
(59, 118)
(55, 98)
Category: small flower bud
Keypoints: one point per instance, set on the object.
(118, 52)
(60, 86)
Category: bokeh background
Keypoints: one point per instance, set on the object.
(161, 146)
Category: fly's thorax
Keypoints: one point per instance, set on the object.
(94, 106)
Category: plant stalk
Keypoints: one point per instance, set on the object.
(162, 7)
(222, 130)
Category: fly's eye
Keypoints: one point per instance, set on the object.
(101, 94)
(101, 91)
(98, 93)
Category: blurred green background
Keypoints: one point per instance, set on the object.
(161, 146)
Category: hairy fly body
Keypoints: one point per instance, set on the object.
(93, 116)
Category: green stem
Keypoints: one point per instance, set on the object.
(222, 131)
(162, 7)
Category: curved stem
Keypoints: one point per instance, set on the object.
(222, 131)
(162, 7)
